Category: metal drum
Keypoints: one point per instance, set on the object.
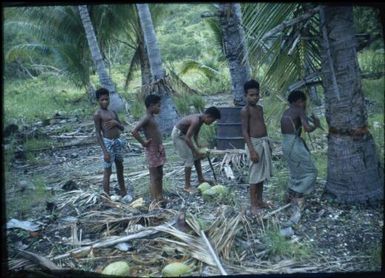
(229, 129)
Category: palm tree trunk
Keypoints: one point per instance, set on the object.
(354, 173)
(168, 115)
(144, 62)
(235, 49)
(116, 102)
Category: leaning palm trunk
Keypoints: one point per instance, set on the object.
(116, 102)
(235, 49)
(168, 115)
(354, 174)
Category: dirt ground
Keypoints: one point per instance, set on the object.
(340, 238)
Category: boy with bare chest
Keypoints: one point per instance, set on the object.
(155, 152)
(302, 170)
(257, 145)
(185, 139)
(108, 129)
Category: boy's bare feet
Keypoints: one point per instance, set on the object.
(262, 204)
(190, 190)
(256, 211)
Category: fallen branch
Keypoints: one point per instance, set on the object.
(275, 211)
(79, 252)
(212, 252)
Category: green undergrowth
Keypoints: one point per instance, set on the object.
(37, 99)
(282, 248)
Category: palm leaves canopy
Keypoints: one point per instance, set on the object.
(282, 39)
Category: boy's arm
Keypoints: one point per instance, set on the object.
(305, 123)
(245, 132)
(115, 122)
(135, 131)
(98, 129)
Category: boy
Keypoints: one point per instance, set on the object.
(257, 145)
(108, 129)
(302, 171)
(185, 139)
(155, 152)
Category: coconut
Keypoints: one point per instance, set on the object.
(119, 268)
(204, 186)
(217, 191)
(176, 269)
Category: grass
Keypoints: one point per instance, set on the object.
(279, 246)
(34, 100)
(27, 199)
(184, 103)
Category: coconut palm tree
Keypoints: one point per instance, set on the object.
(230, 19)
(168, 115)
(116, 102)
(354, 173)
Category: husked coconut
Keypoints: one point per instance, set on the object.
(204, 186)
(176, 269)
(119, 268)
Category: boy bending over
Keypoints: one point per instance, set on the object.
(185, 139)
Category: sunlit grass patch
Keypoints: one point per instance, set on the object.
(281, 247)
(38, 99)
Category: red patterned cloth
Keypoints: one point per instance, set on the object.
(156, 155)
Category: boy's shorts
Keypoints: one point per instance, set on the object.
(114, 148)
(156, 155)
(181, 147)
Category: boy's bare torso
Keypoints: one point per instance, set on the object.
(105, 116)
(185, 123)
(291, 121)
(151, 130)
(256, 122)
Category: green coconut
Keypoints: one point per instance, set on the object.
(120, 268)
(204, 186)
(176, 269)
(216, 192)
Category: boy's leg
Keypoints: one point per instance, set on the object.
(119, 173)
(187, 178)
(255, 209)
(198, 168)
(106, 180)
(159, 183)
(259, 192)
(153, 180)
(156, 176)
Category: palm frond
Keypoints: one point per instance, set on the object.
(195, 66)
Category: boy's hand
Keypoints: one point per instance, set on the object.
(107, 157)
(110, 124)
(254, 157)
(147, 142)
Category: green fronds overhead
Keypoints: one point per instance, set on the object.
(195, 66)
(284, 43)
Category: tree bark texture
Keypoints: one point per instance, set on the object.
(145, 69)
(151, 42)
(116, 103)
(354, 173)
(235, 49)
(168, 115)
